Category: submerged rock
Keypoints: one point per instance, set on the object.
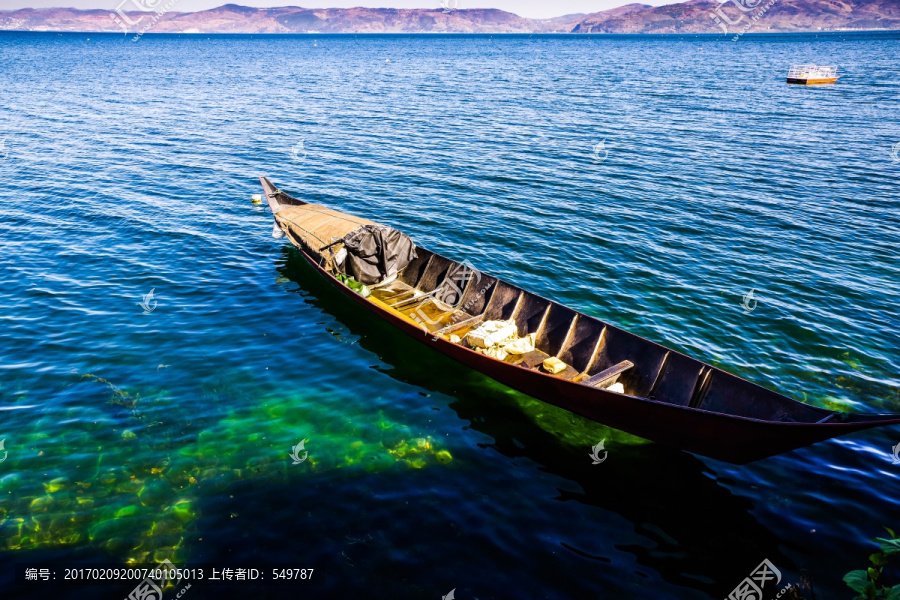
(55, 485)
(155, 493)
(126, 511)
(183, 510)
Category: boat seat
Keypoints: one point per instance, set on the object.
(607, 377)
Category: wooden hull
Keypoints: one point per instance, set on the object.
(732, 438)
(822, 81)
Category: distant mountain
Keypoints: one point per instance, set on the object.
(693, 16)
(571, 23)
(232, 18)
(698, 16)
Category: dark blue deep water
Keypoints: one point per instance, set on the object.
(138, 436)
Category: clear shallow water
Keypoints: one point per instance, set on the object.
(129, 167)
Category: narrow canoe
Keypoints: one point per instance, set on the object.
(668, 397)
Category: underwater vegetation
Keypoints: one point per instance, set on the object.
(128, 480)
(126, 476)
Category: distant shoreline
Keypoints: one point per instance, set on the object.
(453, 33)
(717, 17)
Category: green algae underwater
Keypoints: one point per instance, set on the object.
(134, 493)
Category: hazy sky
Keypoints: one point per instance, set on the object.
(535, 9)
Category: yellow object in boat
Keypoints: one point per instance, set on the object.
(522, 345)
(492, 333)
(554, 365)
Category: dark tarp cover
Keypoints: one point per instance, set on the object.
(376, 252)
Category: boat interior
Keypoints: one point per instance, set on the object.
(449, 299)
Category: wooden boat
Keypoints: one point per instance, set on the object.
(668, 397)
(812, 74)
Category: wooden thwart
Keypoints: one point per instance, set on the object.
(473, 322)
(409, 301)
(608, 376)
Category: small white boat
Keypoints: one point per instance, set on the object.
(812, 74)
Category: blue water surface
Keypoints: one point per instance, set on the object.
(652, 181)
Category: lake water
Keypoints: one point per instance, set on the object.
(651, 181)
